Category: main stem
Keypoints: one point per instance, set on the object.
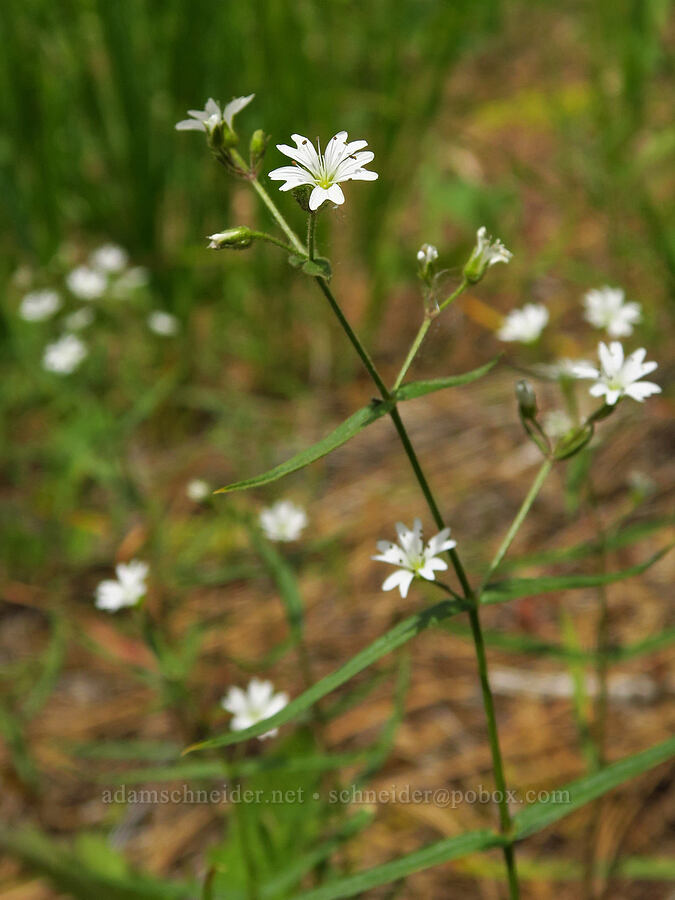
(474, 616)
(488, 703)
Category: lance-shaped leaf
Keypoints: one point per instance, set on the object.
(354, 424)
(513, 588)
(532, 819)
(395, 637)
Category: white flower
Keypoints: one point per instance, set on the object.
(127, 590)
(86, 283)
(131, 280)
(486, 253)
(557, 423)
(617, 377)
(283, 521)
(605, 308)
(524, 325)
(427, 254)
(39, 305)
(79, 319)
(342, 161)
(412, 557)
(109, 258)
(162, 323)
(197, 490)
(64, 355)
(211, 116)
(256, 703)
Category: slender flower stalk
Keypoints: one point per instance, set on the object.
(469, 594)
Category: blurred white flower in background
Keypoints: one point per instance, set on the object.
(341, 161)
(606, 308)
(39, 305)
(79, 319)
(618, 377)
(283, 521)
(162, 323)
(197, 490)
(524, 325)
(257, 703)
(127, 590)
(86, 283)
(109, 258)
(557, 423)
(65, 355)
(211, 116)
(412, 557)
(132, 280)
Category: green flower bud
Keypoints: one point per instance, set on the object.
(257, 147)
(527, 400)
(238, 238)
(486, 253)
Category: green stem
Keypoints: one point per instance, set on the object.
(542, 475)
(311, 234)
(500, 781)
(414, 347)
(455, 294)
(264, 236)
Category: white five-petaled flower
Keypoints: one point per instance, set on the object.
(211, 116)
(283, 521)
(197, 490)
(64, 356)
(127, 590)
(341, 161)
(39, 305)
(524, 325)
(486, 253)
(162, 323)
(86, 283)
(606, 308)
(256, 703)
(109, 258)
(618, 377)
(412, 557)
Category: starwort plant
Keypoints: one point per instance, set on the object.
(315, 182)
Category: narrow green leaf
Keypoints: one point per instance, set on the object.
(433, 855)
(624, 538)
(344, 432)
(532, 819)
(513, 588)
(353, 425)
(419, 388)
(578, 793)
(387, 642)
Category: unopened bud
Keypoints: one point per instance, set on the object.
(257, 147)
(527, 400)
(426, 257)
(238, 238)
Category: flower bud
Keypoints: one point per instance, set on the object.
(426, 257)
(238, 238)
(257, 147)
(527, 400)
